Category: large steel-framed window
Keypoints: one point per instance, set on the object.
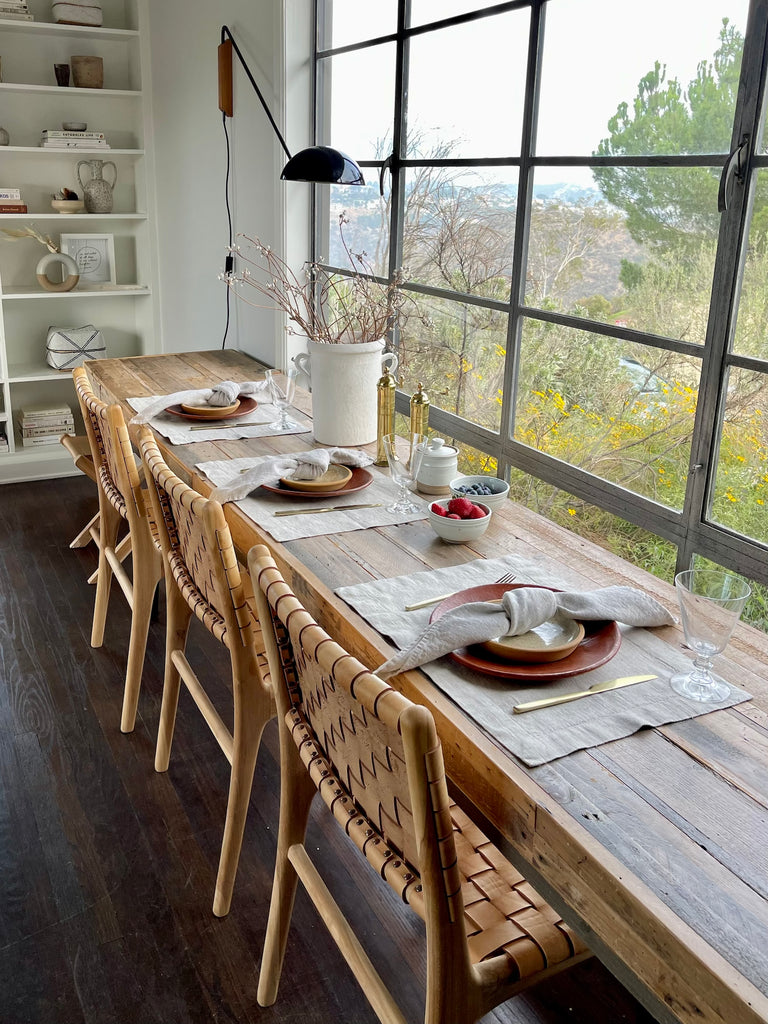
(590, 255)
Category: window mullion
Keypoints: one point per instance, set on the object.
(729, 262)
(523, 220)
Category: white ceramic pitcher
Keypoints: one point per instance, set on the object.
(97, 191)
(343, 381)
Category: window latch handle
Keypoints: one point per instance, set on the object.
(735, 167)
(386, 166)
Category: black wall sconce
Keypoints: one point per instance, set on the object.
(317, 163)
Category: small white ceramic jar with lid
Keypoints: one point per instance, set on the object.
(439, 466)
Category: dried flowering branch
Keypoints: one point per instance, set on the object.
(329, 308)
(31, 232)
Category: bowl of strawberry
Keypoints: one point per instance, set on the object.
(457, 520)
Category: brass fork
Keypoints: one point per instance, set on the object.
(508, 577)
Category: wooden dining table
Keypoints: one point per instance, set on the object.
(653, 846)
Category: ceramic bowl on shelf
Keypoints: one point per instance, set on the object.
(458, 531)
(74, 126)
(68, 205)
(499, 489)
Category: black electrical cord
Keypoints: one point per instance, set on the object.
(229, 262)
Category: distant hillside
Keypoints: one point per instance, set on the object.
(599, 271)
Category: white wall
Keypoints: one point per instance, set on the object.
(190, 159)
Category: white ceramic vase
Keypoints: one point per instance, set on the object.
(343, 380)
(70, 273)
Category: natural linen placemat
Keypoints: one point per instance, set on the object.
(544, 735)
(181, 431)
(261, 505)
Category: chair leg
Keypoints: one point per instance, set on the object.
(178, 617)
(108, 526)
(84, 538)
(296, 793)
(248, 728)
(122, 551)
(147, 569)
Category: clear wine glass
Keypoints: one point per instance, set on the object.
(711, 603)
(404, 472)
(282, 389)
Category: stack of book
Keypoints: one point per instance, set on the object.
(15, 10)
(3, 443)
(73, 140)
(11, 201)
(44, 424)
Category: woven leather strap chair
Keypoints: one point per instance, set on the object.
(376, 760)
(79, 448)
(202, 577)
(121, 500)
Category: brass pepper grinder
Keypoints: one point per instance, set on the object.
(385, 404)
(419, 411)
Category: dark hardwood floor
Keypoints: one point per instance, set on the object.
(107, 868)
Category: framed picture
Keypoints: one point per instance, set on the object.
(94, 256)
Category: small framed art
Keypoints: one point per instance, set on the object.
(94, 256)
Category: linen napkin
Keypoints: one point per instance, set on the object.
(219, 395)
(519, 611)
(309, 465)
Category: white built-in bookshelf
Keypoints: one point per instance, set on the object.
(31, 101)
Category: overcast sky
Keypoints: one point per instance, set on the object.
(467, 82)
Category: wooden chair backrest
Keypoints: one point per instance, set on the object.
(373, 755)
(111, 449)
(197, 546)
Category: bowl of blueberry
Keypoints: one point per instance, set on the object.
(490, 490)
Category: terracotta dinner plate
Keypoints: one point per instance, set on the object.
(360, 478)
(245, 406)
(601, 642)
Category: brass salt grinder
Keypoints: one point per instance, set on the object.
(385, 422)
(419, 411)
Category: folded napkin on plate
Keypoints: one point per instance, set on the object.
(221, 394)
(520, 610)
(301, 466)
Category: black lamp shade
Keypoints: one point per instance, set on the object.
(323, 164)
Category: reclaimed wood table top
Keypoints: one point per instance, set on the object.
(654, 846)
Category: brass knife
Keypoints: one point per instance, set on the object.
(330, 508)
(215, 424)
(428, 601)
(610, 684)
(442, 597)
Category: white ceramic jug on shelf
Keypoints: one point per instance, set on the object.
(97, 191)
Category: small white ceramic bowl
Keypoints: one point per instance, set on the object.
(458, 531)
(68, 205)
(499, 488)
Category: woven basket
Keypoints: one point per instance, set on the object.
(68, 347)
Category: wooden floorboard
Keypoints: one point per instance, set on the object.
(107, 867)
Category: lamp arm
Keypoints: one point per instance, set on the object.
(225, 82)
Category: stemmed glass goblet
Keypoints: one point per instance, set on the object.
(404, 472)
(711, 603)
(282, 390)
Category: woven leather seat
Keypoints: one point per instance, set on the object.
(376, 761)
(202, 577)
(121, 500)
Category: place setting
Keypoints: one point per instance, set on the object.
(228, 411)
(545, 667)
(311, 493)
